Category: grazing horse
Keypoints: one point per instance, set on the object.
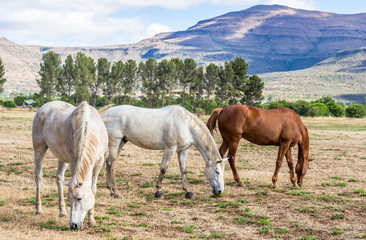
(76, 136)
(281, 127)
(172, 129)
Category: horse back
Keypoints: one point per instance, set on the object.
(52, 130)
(261, 126)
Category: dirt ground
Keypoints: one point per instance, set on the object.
(330, 205)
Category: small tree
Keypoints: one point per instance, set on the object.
(9, 104)
(19, 100)
(2, 79)
(253, 91)
(210, 80)
(50, 73)
(336, 109)
(318, 109)
(356, 111)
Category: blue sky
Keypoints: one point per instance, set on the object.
(115, 22)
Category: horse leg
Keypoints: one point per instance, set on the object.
(115, 146)
(60, 178)
(223, 148)
(183, 169)
(281, 153)
(168, 153)
(290, 164)
(233, 148)
(98, 166)
(39, 153)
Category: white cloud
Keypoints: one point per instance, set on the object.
(301, 4)
(80, 23)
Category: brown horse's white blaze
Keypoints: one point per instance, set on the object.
(76, 136)
(172, 129)
(281, 127)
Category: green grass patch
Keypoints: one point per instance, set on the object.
(282, 230)
(148, 185)
(216, 235)
(337, 232)
(337, 216)
(187, 229)
(113, 211)
(141, 214)
(240, 219)
(190, 203)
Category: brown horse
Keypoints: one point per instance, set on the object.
(281, 127)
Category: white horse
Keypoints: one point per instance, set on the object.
(172, 129)
(76, 136)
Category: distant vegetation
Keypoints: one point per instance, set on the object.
(173, 81)
(2, 79)
(325, 106)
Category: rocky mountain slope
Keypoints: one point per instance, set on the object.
(342, 76)
(271, 38)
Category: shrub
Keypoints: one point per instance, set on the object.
(356, 111)
(19, 100)
(336, 109)
(301, 107)
(9, 104)
(318, 109)
(1, 102)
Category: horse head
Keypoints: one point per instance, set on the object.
(81, 200)
(214, 172)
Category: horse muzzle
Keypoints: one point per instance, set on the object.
(217, 192)
(75, 226)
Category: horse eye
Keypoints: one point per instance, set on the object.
(79, 199)
(217, 172)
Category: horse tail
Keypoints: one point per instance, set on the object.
(211, 122)
(85, 142)
(104, 109)
(303, 152)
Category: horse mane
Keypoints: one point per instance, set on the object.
(211, 122)
(200, 129)
(85, 142)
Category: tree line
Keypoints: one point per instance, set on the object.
(167, 82)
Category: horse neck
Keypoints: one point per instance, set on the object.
(204, 141)
(85, 143)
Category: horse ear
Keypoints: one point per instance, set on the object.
(66, 183)
(311, 159)
(225, 159)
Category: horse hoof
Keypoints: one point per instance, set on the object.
(92, 223)
(189, 195)
(240, 184)
(116, 195)
(159, 194)
(63, 215)
(39, 212)
(275, 186)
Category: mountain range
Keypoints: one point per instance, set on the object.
(271, 38)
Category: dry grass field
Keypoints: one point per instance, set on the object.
(330, 205)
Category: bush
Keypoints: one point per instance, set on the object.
(19, 100)
(278, 104)
(318, 109)
(1, 102)
(336, 109)
(356, 111)
(301, 107)
(9, 104)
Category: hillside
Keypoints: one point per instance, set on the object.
(342, 76)
(272, 38)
